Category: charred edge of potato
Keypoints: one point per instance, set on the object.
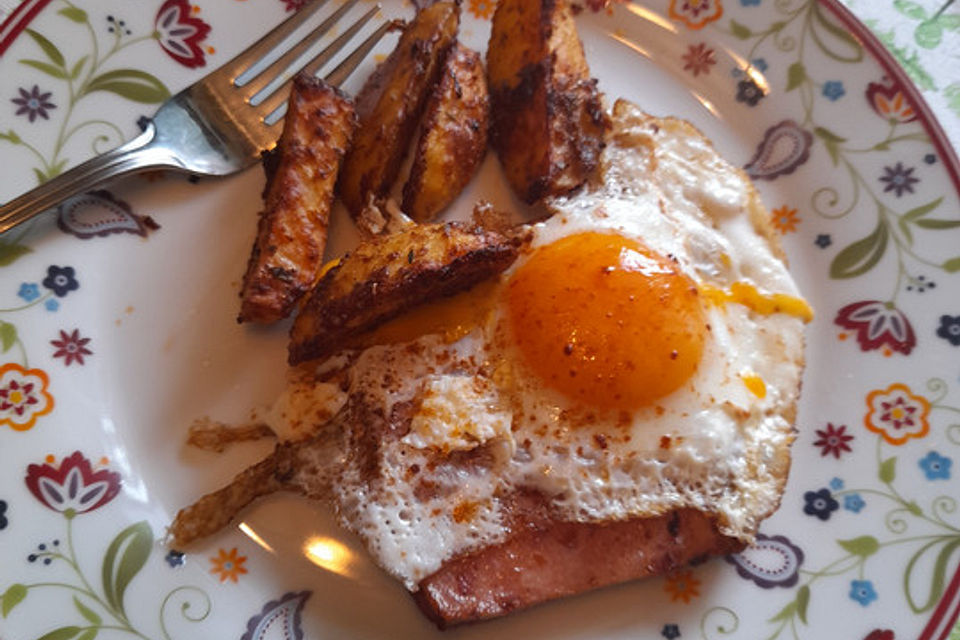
(292, 229)
(545, 561)
(548, 124)
(391, 103)
(215, 510)
(454, 138)
(387, 275)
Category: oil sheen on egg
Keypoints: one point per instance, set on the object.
(643, 354)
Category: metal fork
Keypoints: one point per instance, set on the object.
(220, 124)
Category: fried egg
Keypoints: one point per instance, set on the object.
(643, 354)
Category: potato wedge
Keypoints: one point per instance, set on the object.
(292, 230)
(386, 275)
(454, 138)
(391, 103)
(547, 120)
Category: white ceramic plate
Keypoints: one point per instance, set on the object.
(117, 330)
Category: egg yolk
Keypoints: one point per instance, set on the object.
(606, 321)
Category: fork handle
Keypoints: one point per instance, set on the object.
(139, 154)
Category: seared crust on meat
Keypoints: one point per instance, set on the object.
(390, 105)
(543, 560)
(547, 120)
(454, 138)
(292, 230)
(387, 275)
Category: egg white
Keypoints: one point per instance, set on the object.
(715, 444)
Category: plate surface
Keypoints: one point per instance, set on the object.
(117, 331)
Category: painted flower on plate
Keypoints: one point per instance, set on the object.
(228, 564)
(833, 440)
(936, 466)
(853, 502)
(682, 586)
(896, 414)
(749, 93)
(889, 100)
(28, 291)
(73, 487)
(175, 558)
(784, 219)
(698, 59)
(878, 324)
(862, 591)
(33, 103)
(179, 33)
(823, 240)
(696, 14)
(898, 179)
(833, 90)
(23, 396)
(4, 521)
(483, 9)
(60, 280)
(949, 329)
(819, 504)
(670, 631)
(71, 347)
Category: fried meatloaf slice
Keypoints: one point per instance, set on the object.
(542, 558)
(292, 230)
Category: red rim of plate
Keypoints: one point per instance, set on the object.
(948, 610)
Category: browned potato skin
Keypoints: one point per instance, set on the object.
(391, 103)
(454, 138)
(292, 230)
(547, 120)
(386, 275)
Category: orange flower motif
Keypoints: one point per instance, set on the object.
(696, 14)
(682, 585)
(23, 396)
(785, 219)
(482, 9)
(896, 414)
(228, 564)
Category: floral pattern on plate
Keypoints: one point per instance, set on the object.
(881, 220)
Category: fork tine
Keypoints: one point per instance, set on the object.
(275, 106)
(352, 61)
(242, 61)
(280, 67)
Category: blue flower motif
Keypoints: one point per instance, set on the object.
(936, 466)
(833, 90)
(823, 240)
(759, 64)
(750, 3)
(949, 329)
(862, 591)
(175, 558)
(29, 291)
(820, 504)
(836, 484)
(60, 280)
(3, 515)
(51, 304)
(853, 502)
(670, 631)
